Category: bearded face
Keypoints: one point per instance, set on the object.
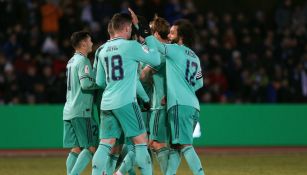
(173, 35)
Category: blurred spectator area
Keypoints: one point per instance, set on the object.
(251, 51)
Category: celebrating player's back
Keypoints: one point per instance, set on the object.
(117, 67)
(120, 66)
(184, 77)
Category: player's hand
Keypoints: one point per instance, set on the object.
(135, 19)
(163, 101)
(144, 29)
(146, 106)
(141, 39)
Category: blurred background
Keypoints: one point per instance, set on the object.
(251, 51)
(254, 59)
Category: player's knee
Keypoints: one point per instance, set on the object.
(108, 141)
(92, 149)
(140, 139)
(176, 146)
(150, 144)
(155, 145)
(185, 145)
(116, 149)
(76, 150)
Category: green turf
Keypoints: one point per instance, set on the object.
(215, 164)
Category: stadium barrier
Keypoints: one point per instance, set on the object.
(41, 127)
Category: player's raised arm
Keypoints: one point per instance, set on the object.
(144, 31)
(145, 54)
(153, 42)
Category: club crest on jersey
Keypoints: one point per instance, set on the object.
(146, 49)
(86, 69)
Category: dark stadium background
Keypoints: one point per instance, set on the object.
(251, 51)
(253, 104)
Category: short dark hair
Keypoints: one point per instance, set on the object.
(186, 31)
(119, 20)
(77, 37)
(161, 26)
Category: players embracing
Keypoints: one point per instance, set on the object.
(183, 79)
(175, 74)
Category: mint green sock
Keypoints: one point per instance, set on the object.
(128, 162)
(162, 157)
(193, 160)
(83, 159)
(70, 161)
(112, 163)
(101, 158)
(174, 160)
(143, 159)
(126, 149)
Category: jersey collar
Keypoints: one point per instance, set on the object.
(116, 38)
(79, 53)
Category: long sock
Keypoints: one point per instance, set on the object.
(193, 160)
(142, 159)
(128, 162)
(83, 159)
(101, 158)
(131, 171)
(122, 156)
(70, 162)
(150, 154)
(112, 163)
(162, 156)
(174, 160)
(126, 148)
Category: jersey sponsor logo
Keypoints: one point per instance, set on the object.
(86, 69)
(146, 49)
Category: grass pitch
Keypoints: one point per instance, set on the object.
(214, 164)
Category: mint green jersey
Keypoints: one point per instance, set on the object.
(183, 74)
(146, 85)
(80, 85)
(98, 92)
(98, 95)
(159, 84)
(117, 68)
(142, 92)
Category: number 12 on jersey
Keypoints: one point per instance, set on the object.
(116, 71)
